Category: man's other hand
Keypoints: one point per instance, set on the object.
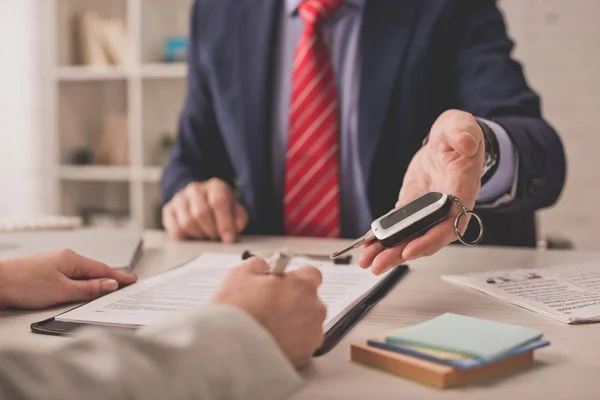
(287, 306)
(451, 162)
(205, 210)
(45, 280)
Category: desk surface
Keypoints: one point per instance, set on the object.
(570, 367)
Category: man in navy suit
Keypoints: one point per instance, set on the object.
(310, 118)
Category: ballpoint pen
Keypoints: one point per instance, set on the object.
(278, 262)
(317, 257)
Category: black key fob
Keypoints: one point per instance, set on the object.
(412, 219)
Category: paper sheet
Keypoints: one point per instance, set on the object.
(191, 285)
(570, 294)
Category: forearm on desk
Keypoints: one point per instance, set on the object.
(218, 352)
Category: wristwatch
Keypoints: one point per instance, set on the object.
(492, 152)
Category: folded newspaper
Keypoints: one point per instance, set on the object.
(569, 294)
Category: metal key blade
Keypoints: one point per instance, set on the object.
(357, 243)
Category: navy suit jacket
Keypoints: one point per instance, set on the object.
(419, 58)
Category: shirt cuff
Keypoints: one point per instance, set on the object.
(506, 172)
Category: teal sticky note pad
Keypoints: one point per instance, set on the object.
(479, 338)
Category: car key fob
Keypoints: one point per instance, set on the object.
(412, 219)
(402, 223)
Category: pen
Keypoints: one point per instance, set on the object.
(318, 257)
(278, 263)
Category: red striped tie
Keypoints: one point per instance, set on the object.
(312, 194)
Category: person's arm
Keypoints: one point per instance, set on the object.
(49, 279)
(199, 153)
(198, 184)
(216, 353)
(490, 85)
(246, 345)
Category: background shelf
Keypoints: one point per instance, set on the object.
(94, 173)
(164, 70)
(148, 90)
(83, 73)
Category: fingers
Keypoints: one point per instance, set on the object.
(193, 213)
(370, 251)
(200, 212)
(460, 131)
(387, 259)
(255, 265)
(431, 242)
(222, 204)
(464, 142)
(89, 289)
(170, 222)
(241, 217)
(183, 217)
(75, 266)
(205, 210)
(311, 275)
(381, 259)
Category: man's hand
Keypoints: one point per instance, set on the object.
(451, 162)
(205, 210)
(287, 306)
(49, 279)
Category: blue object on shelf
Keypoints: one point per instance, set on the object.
(175, 49)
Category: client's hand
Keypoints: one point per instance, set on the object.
(287, 306)
(205, 210)
(49, 279)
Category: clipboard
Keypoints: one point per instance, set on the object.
(332, 336)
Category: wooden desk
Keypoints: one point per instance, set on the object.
(568, 369)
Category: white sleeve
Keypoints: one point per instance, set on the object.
(218, 352)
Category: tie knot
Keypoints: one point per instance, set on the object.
(316, 11)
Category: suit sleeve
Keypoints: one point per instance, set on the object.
(218, 352)
(490, 84)
(199, 152)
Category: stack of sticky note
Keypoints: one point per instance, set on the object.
(451, 350)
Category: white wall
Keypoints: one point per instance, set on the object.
(24, 184)
(559, 43)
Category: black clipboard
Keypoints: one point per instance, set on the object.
(333, 336)
(337, 332)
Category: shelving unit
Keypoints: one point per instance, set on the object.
(149, 91)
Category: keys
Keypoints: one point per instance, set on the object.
(368, 237)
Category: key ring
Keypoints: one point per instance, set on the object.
(466, 212)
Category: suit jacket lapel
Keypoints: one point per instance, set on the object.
(386, 32)
(256, 37)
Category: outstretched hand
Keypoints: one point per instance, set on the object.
(451, 162)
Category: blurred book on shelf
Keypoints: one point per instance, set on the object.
(113, 148)
(103, 41)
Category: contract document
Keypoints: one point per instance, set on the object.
(190, 286)
(568, 293)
